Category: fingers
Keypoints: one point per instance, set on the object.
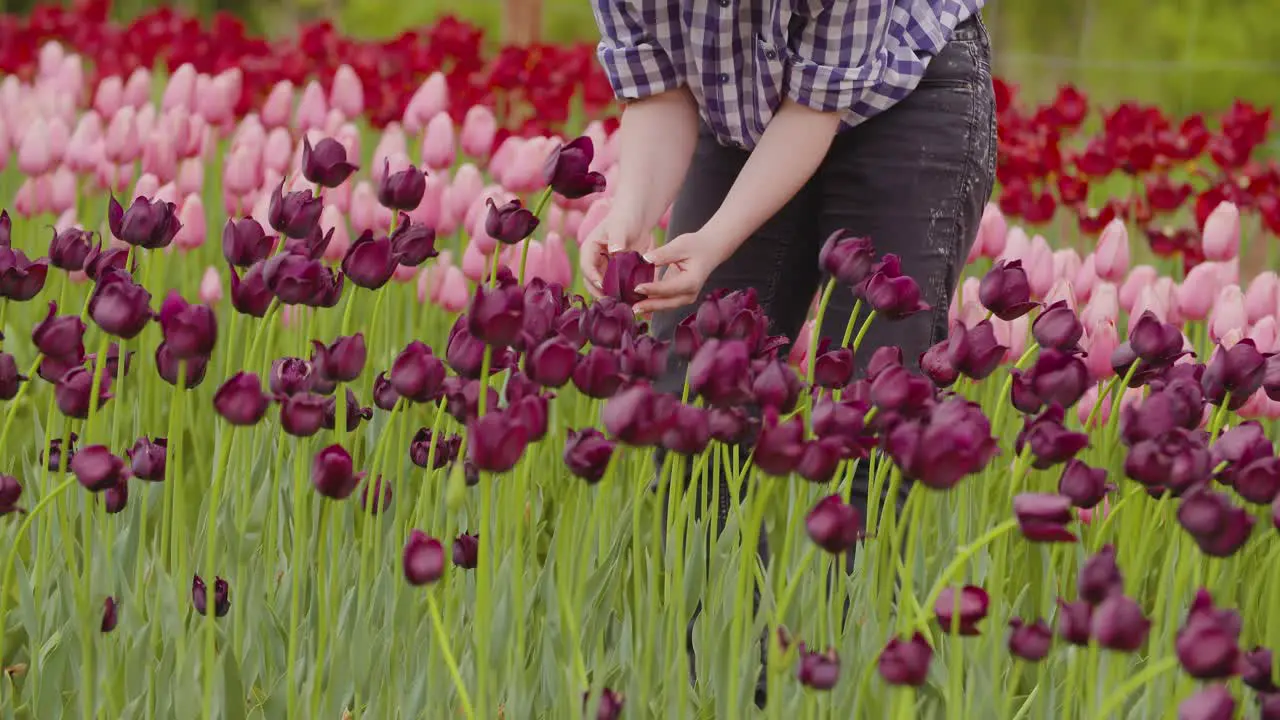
(672, 252)
(592, 261)
(647, 307)
(675, 289)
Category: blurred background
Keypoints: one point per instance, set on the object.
(1185, 55)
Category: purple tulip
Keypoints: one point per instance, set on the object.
(299, 280)
(369, 262)
(462, 398)
(834, 525)
(302, 414)
(610, 707)
(552, 362)
(519, 386)
(1083, 485)
(147, 458)
(189, 330)
(333, 473)
(110, 615)
(599, 373)
(1030, 642)
(311, 247)
(1271, 378)
(1217, 526)
(1058, 377)
(10, 492)
(295, 214)
(1074, 621)
(689, 432)
(607, 322)
(821, 458)
(96, 468)
(116, 497)
(952, 442)
(905, 662)
(776, 385)
(240, 400)
(250, 295)
(1241, 445)
(1259, 481)
(10, 377)
(896, 389)
(342, 360)
(290, 376)
(846, 258)
(973, 605)
(496, 441)
(533, 413)
(466, 551)
(326, 164)
(53, 459)
(780, 445)
(567, 170)
(1268, 707)
(1208, 645)
(936, 364)
(626, 271)
(412, 243)
(1157, 414)
(21, 279)
(1177, 460)
(833, 368)
(417, 374)
(245, 243)
(732, 426)
(403, 189)
(1005, 291)
(423, 559)
(1043, 517)
(118, 305)
(1057, 327)
(221, 596)
(720, 373)
(638, 415)
(73, 392)
(59, 337)
(1237, 371)
(587, 453)
(974, 352)
(890, 293)
(1212, 703)
(170, 369)
(355, 413)
(1156, 343)
(509, 223)
(464, 351)
(446, 449)
(1255, 670)
(1050, 442)
(150, 224)
(819, 671)
(375, 497)
(843, 418)
(1118, 624)
(69, 248)
(496, 314)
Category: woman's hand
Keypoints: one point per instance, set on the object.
(688, 261)
(615, 234)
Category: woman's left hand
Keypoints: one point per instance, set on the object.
(687, 261)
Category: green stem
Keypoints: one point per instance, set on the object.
(862, 332)
(1149, 673)
(12, 556)
(295, 570)
(958, 563)
(442, 641)
(852, 322)
(225, 441)
(17, 400)
(817, 329)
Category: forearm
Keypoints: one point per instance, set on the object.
(788, 154)
(656, 140)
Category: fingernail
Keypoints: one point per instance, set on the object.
(648, 257)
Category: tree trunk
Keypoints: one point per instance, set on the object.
(522, 22)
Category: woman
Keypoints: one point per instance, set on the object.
(774, 123)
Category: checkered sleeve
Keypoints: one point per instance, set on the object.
(631, 51)
(839, 53)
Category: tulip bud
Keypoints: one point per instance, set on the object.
(626, 271)
(1218, 527)
(401, 190)
(905, 662)
(244, 242)
(1043, 517)
(509, 223)
(1005, 291)
(326, 164)
(10, 491)
(412, 243)
(110, 615)
(819, 671)
(1029, 641)
(59, 337)
(171, 369)
(146, 224)
(341, 361)
(96, 468)
(73, 389)
(147, 458)
(638, 415)
(834, 525)
(497, 313)
(70, 248)
(846, 258)
(973, 603)
(1085, 486)
(240, 400)
(1118, 624)
(296, 214)
(567, 170)
(587, 453)
(221, 597)
(496, 441)
(466, 551)
(423, 559)
(189, 330)
(118, 305)
(1212, 703)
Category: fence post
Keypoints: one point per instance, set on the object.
(522, 22)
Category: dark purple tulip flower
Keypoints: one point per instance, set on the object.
(1151, 417)
(1029, 642)
(250, 294)
(112, 364)
(821, 458)
(599, 373)
(935, 364)
(1177, 460)
(190, 330)
(638, 415)
(462, 398)
(96, 468)
(1208, 645)
(846, 258)
(385, 396)
(1259, 481)
(312, 246)
(568, 170)
(1074, 621)
(417, 374)
(369, 262)
(732, 426)
(240, 400)
(686, 341)
(245, 243)
(1051, 443)
(403, 189)
(221, 596)
(544, 304)
(1271, 378)
(1058, 377)
(897, 389)
(776, 385)
(120, 306)
(355, 413)
(690, 431)
(325, 164)
(1156, 343)
(905, 662)
(496, 314)
(974, 352)
(99, 260)
(54, 459)
(295, 214)
(1022, 395)
(1268, 706)
(69, 248)
(375, 496)
(464, 351)
(833, 368)
(150, 224)
(342, 360)
(533, 413)
(10, 492)
(412, 243)
(1217, 526)
(519, 387)
(1043, 517)
(333, 473)
(721, 373)
(423, 559)
(1085, 486)
(1100, 577)
(10, 377)
(890, 293)
(59, 336)
(21, 279)
(509, 223)
(625, 271)
(1212, 703)
(1118, 624)
(1238, 371)
(973, 603)
(298, 280)
(170, 369)
(74, 389)
(466, 551)
(940, 450)
(116, 497)
(610, 704)
(1255, 670)
(1241, 445)
(302, 414)
(147, 458)
(608, 322)
(833, 524)
(110, 615)
(587, 453)
(552, 362)
(290, 376)
(446, 449)
(1058, 327)
(1004, 290)
(496, 441)
(819, 671)
(842, 418)
(780, 445)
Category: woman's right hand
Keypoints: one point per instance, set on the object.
(617, 232)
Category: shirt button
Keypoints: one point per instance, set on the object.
(725, 3)
(770, 54)
(724, 77)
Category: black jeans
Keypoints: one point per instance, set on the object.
(914, 179)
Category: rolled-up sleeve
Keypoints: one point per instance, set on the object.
(631, 50)
(839, 52)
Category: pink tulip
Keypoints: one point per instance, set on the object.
(1067, 264)
(312, 108)
(1255, 407)
(504, 156)
(475, 262)
(120, 144)
(35, 157)
(478, 130)
(429, 210)
(62, 190)
(137, 89)
(145, 120)
(194, 224)
(1061, 290)
(1086, 514)
(1017, 245)
(109, 96)
(1262, 299)
(261, 208)
(147, 186)
(1039, 267)
(1228, 312)
(50, 58)
(218, 104)
(1148, 301)
(211, 286)
(1112, 256)
(278, 106)
(391, 144)
(1272, 410)
(438, 143)
(535, 264)
(1221, 236)
(333, 120)
(1013, 335)
(556, 265)
(525, 172)
(430, 99)
(180, 91)
(1198, 291)
(1265, 334)
(444, 285)
(467, 185)
(992, 231)
(592, 218)
(799, 355)
(278, 151)
(114, 178)
(1139, 277)
(365, 212)
(1099, 342)
(347, 92)
(168, 192)
(349, 136)
(249, 133)
(573, 223)
(966, 307)
(27, 201)
(1084, 409)
(4, 144)
(66, 220)
(331, 218)
(1103, 305)
(1086, 278)
(242, 173)
(159, 156)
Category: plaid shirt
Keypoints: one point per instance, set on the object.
(739, 58)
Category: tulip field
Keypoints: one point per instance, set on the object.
(305, 411)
